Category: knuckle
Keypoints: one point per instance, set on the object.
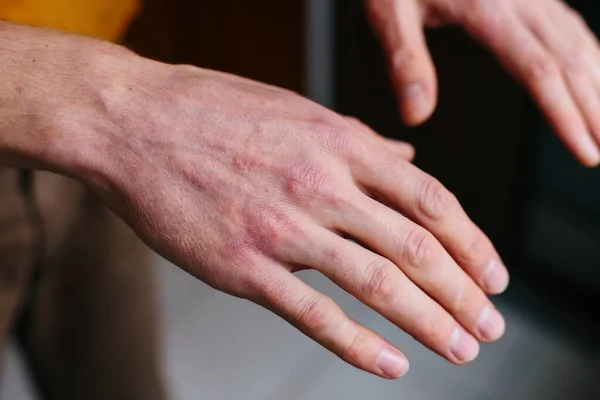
(316, 314)
(403, 58)
(307, 177)
(460, 302)
(332, 134)
(541, 68)
(434, 201)
(432, 329)
(239, 249)
(352, 352)
(336, 140)
(475, 251)
(480, 8)
(381, 285)
(575, 61)
(419, 248)
(336, 198)
(269, 229)
(483, 18)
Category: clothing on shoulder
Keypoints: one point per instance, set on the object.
(104, 19)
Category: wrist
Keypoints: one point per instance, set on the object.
(51, 108)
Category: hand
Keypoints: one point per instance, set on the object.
(543, 43)
(241, 184)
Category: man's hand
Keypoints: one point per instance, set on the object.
(242, 184)
(543, 43)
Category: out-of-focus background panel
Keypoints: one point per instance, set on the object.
(473, 141)
(261, 40)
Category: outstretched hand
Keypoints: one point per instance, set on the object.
(242, 184)
(544, 44)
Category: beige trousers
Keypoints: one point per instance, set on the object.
(76, 288)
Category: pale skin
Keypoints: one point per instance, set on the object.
(241, 184)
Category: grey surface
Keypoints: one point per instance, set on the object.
(219, 347)
(14, 384)
(320, 51)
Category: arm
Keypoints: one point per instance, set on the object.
(49, 99)
(543, 43)
(241, 184)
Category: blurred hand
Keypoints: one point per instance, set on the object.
(543, 43)
(242, 184)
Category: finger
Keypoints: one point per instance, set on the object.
(403, 149)
(423, 259)
(424, 200)
(527, 59)
(575, 51)
(321, 319)
(400, 28)
(379, 283)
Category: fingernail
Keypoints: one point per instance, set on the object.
(392, 363)
(463, 346)
(590, 148)
(491, 324)
(416, 100)
(495, 278)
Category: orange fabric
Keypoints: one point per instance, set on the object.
(106, 19)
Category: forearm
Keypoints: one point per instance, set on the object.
(48, 88)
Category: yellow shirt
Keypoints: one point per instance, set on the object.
(106, 19)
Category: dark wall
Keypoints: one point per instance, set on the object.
(262, 40)
(474, 140)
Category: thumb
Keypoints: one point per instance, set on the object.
(399, 25)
